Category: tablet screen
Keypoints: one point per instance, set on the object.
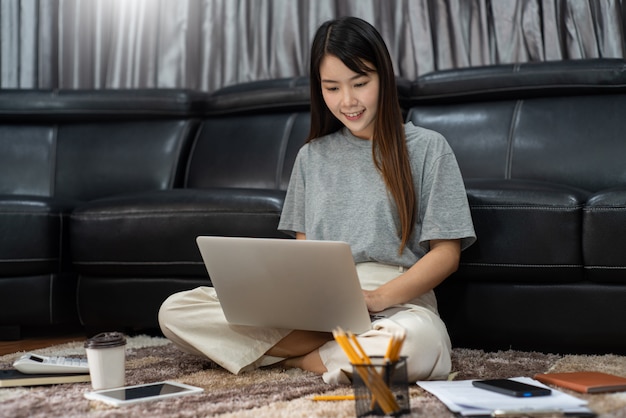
(124, 394)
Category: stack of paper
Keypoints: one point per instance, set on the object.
(466, 400)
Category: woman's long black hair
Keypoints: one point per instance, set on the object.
(362, 49)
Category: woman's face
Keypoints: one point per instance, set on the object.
(351, 97)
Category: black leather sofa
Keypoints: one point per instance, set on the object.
(60, 150)
(542, 149)
(102, 194)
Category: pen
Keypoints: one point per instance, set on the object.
(333, 398)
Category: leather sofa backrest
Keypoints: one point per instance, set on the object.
(251, 136)
(97, 160)
(576, 140)
(82, 145)
(26, 164)
(560, 122)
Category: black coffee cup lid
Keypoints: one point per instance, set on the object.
(106, 340)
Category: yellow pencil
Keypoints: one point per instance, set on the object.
(380, 391)
(356, 343)
(333, 398)
(394, 347)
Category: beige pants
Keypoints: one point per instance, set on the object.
(194, 321)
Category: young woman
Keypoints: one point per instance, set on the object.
(393, 191)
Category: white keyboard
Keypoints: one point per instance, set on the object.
(37, 364)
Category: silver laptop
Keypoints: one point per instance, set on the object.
(286, 283)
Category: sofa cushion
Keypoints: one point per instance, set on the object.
(604, 235)
(86, 144)
(129, 302)
(479, 134)
(98, 160)
(247, 151)
(155, 232)
(551, 317)
(32, 234)
(577, 141)
(38, 299)
(527, 231)
(26, 159)
(553, 140)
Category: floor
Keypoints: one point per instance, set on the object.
(40, 339)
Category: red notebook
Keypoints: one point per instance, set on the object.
(584, 382)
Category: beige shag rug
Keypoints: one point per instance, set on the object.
(274, 392)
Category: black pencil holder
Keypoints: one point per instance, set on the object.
(381, 388)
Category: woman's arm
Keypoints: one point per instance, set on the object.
(441, 261)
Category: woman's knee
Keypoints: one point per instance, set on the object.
(177, 310)
(428, 353)
(167, 307)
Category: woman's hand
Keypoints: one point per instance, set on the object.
(374, 301)
(432, 269)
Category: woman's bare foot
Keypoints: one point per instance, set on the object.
(299, 348)
(311, 362)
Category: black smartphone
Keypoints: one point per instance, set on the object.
(511, 388)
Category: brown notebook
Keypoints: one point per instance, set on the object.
(12, 377)
(584, 382)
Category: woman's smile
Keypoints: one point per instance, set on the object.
(354, 116)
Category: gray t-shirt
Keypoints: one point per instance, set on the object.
(336, 193)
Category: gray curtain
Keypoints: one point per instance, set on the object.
(208, 44)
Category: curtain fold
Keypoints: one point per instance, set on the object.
(208, 44)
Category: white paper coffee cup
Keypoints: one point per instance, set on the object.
(106, 355)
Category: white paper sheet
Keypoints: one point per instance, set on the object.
(461, 397)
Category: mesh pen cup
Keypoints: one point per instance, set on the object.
(381, 388)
